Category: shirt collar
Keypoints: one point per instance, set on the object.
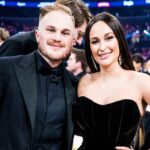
(44, 68)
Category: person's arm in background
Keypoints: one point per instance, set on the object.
(9, 47)
(19, 44)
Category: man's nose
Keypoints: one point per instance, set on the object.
(57, 37)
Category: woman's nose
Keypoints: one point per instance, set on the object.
(102, 46)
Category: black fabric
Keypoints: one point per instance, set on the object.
(19, 44)
(51, 107)
(44, 69)
(105, 126)
(80, 75)
(18, 99)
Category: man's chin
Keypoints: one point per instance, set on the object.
(61, 58)
(57, 56)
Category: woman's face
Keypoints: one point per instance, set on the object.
(104, 44)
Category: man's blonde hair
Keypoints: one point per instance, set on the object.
(55, 7)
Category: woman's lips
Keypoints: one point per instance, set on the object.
(105, 55)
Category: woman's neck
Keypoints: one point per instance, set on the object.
(111, 72)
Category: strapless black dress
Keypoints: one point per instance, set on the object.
(104, 127)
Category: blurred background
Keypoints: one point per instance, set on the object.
(22, 15)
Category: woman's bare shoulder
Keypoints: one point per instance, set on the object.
(84, 83)
(143, 82)
(85, 80)
(141, 77)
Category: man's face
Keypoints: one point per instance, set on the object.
(72, 63)
(137, 66)
(55, 36)
(80, 33)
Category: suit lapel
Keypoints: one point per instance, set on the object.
(26, 75)
(70, 98)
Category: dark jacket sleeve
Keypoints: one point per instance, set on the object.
(10, 48)
(19, 44)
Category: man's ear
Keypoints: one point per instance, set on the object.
(74, 42)
(37, 34)
(79, 64)
(74, 39)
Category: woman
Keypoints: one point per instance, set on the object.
(109, 107)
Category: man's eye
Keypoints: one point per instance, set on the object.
(66, 33)
(51, 30)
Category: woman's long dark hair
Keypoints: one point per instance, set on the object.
(116, 27)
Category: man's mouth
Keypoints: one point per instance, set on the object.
(55, 44)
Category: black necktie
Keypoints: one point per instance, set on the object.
(54, 73)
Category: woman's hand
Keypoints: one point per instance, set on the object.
(123, 148)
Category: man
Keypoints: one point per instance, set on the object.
(82, 16)
(36, 91)
(77, 63)
(138, 61)
(25, 43)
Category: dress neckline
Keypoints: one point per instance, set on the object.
(112, 103)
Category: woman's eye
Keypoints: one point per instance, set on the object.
(109, 37)
(94, 42)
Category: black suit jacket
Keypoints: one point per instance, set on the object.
(18, 96)
(19, 44)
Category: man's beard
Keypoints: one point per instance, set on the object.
(55, 59)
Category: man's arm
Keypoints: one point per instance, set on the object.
(10, 48)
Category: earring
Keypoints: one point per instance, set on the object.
(120, 60)
(94, 63)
